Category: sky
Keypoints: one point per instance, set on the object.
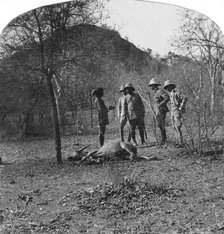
(146, 24)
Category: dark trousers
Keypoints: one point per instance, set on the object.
(160, 119)
(140, 124)
(102, 129)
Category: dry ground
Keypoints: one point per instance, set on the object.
(180, 193)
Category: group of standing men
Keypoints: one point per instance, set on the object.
(161, 97)
(131, 110)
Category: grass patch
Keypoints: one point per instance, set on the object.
(130, 196)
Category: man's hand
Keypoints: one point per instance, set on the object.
(123, 119)
(111, 108)
(182, 110)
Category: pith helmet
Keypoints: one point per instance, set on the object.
(122, 88)
(153, 82)
(168, 83)
(96, 91)
(129, 86)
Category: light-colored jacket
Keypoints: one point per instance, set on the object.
(134, 107)
(121, 105)
(177, 101)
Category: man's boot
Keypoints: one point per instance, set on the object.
(122, 134)
(141, 132)
(163, 135)
(101, 141)
(133, 138)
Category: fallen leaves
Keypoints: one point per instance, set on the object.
(179, 194)
(127, 197)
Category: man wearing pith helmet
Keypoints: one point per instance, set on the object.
(135, 112)
(177, 108)
(160, 98)
(121, 113)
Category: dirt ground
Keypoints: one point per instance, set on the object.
(177, 193)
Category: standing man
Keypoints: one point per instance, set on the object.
(102, 113)
(135, 112)
(160, 98)
(177, 108)
(121, 113)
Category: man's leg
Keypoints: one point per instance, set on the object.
(129, 132)
(163, 129)
(122, 124)
(161, 126)
(132, 124)
(163, 135)
(142, 135)
(180, 136)
(178, 124)
(129, 135)
(101, 134)
(141, 130)
(122, 131)
(173, 122)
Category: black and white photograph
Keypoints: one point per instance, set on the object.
(111, 117)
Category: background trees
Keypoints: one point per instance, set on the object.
(201, 39)
(200, 72)
(41, 33)
(52, 58)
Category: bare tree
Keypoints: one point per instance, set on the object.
(201, 38)
(43, 30)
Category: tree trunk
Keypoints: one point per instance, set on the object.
(91, 110)
(55, 118)
(222, 84)
(212, 95)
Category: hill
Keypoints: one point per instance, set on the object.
(86, 57)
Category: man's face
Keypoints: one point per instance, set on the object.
(169, 88)
(101, 93)
(128, 90)
(153, 87)
(123, 92)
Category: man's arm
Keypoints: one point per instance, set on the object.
(141, 105)
(165, 96)
(126, 108)
(183, 100)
